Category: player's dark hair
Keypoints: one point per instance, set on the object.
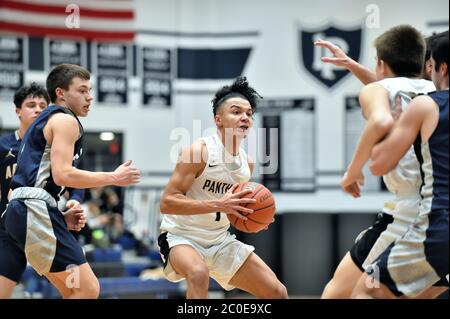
(429, 40)
(439, 50)
(403, 49)
(428, 49)
(30, 91)
(62, 75)
(239, 88)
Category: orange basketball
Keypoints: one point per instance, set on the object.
(263, 210)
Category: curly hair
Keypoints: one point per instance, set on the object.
(33, 90)
(239, 88)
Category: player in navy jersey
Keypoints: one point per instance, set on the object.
(30, 101)
(419, 259)
(46, 164)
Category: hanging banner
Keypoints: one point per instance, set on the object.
(111, 65)
(156, 77)
(12, 65)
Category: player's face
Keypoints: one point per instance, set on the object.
(30, 109)
(78, 97)
(427, 70)
(235, 117)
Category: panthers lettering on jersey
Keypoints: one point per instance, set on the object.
(33, 162)
(216, 187)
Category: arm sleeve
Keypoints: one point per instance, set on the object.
(76, 194)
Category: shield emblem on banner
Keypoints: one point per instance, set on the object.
(348, 40)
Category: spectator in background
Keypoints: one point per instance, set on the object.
(104, 212)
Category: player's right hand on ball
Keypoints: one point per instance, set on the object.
(232, 203)
(126, 174)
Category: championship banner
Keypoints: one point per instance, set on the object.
(12, 65)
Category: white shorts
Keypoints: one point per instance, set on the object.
(223, 259)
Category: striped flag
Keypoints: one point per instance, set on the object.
(100, 20)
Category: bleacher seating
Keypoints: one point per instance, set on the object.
(105, 255)
(124, 287)
(119, 277)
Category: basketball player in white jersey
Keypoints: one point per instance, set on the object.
(400, 56)
(195, 243)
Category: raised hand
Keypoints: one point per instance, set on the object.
(339, 57)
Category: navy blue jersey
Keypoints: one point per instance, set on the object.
(33, 163)
(434, 157)
(9, 147)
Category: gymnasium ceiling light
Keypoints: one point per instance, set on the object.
(107, 136)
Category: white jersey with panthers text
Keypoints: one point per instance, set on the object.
(222, 171)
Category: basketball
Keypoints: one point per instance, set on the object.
(263, 210)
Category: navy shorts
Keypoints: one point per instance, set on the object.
(12, 258)
(417, 260)
(366, 240)
(41, 233)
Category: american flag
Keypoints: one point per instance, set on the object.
(100, 20)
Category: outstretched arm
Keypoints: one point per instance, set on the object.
(421, 115)
(341, 59)
(374, 101)
(62, 132)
